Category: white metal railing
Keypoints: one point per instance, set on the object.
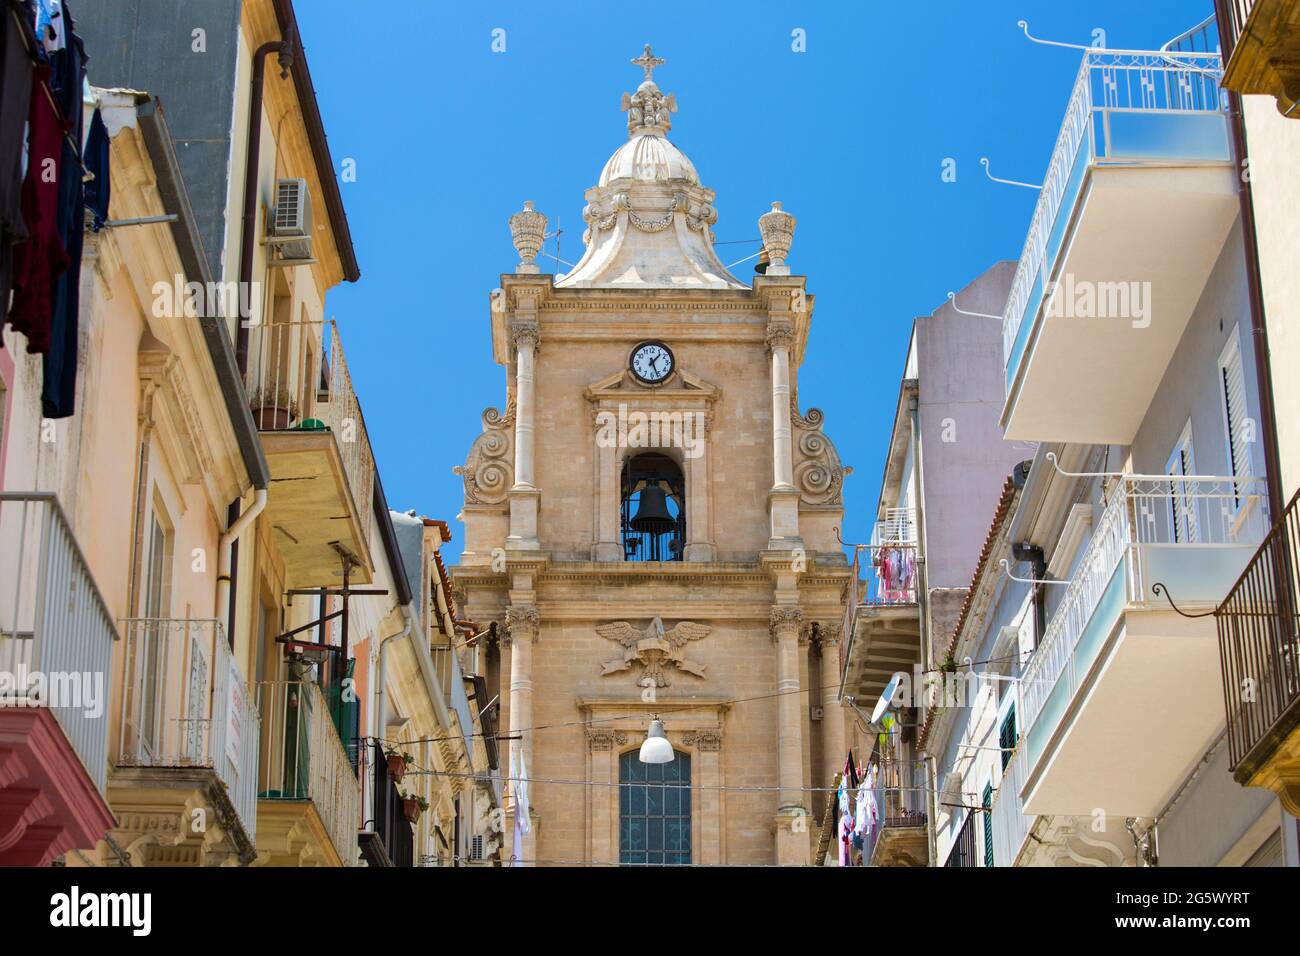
(184, 703)
(302, 758)
(898, 526)
(1146, 517)
(1011, 825)
(56, 633)
(298, 379)
(1109, 82)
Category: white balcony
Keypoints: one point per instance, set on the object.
(187, 717)
(322, 466)
(1136, 205)
(56, 652)
(1118, 697)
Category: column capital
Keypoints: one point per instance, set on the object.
(780, 335)
(828, 633)
(524, 334)
(521, 621)
(785, 619)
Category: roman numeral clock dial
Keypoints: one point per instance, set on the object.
(652, 362)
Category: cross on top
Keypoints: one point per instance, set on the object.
(647, 61)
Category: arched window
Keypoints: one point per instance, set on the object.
(653, 515)
(654, 810)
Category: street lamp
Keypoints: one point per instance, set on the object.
(656, 748)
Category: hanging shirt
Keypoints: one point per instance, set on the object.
(15, 107)
(41, 259)
(50, 25)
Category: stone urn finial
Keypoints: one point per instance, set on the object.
(777, 229)
(527, 230)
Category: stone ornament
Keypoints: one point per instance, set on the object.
(527, 230)
(706, 741)
(601, 740)
(818, 472)
(648, 109)
(777, 229)
(488, 472)
(521, 621)
(653, 648)
(783, 618)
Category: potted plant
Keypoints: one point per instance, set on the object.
(413, 806)
(397, 764)
(273, 409)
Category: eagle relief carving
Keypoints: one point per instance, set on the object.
(654, 648)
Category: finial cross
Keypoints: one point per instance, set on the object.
(647, 61)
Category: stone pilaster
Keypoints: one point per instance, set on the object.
(522, 623)
(524, 496)
(792, 822)
(783, 499)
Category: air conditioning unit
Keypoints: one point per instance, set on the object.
(291, 219)
(476, 852)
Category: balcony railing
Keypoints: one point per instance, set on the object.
(1154, 529)
(1236, 13)
(1010, 823)
(382, 808)
(302, 758)
(56, 633)
(891, 580)
(185, 703)
(1259, 643)
(298, 379)
(964, 850)
(900, 800)
(1127, 108)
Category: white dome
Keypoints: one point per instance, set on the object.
(648, 158)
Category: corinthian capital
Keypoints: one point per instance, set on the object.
(779, 337)
(524, 335)
(522, 622)
(783, 619)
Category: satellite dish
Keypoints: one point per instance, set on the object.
(888, 698)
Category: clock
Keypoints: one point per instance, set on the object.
(652, 362)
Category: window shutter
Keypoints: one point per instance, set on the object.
(988, 824)
(1232, 382)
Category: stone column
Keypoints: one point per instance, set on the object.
(524, 495)
(609, 544)
(783, 500)
(792, 823)
(521, 633)
(833, 734)
(699, 540)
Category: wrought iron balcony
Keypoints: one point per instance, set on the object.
(964, 852)
(1259, 647)
(387, 837)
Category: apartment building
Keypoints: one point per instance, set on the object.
(1092, 734)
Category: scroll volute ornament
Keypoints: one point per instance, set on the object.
(527, 230)
(777, 229)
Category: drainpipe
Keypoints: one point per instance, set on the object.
(225, 560)
(381, 671)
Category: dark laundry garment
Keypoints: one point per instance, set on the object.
(15, 105)
(42, 258)
(58, 392)
(95, 155)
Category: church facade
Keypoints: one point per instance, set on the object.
(651, 531)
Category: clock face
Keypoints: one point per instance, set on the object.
(652, 362)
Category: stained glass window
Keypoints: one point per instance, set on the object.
(654, 810)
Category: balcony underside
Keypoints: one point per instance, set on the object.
(902, 846)
(1087, 378)
(176, 816)
(1266, 58)
(1274, 762)
(310, 508)
(291, 833)
(885, 640)
(1141, 719)
(49, 805)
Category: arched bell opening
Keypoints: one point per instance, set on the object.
(653, 511)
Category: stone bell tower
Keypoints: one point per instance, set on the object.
(650, 526)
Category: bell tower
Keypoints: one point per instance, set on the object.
(650, 528)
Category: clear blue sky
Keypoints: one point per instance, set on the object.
(450, 138)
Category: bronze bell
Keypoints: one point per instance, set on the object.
(764, 260)
(652, 515)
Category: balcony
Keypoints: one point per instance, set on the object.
(56, 652)
(964, 852)
(1011, 825)
(1136, 205)
(386, 837)
(308, 799)
(1262, 42)
(882, 621)
(1110, 683)
(901, 837)
(184, 787)
(315, 439)
(1259, 647)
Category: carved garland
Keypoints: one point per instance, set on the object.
(488, 471)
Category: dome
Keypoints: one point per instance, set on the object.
(649, 157)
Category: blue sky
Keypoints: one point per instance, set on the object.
(449, 138)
